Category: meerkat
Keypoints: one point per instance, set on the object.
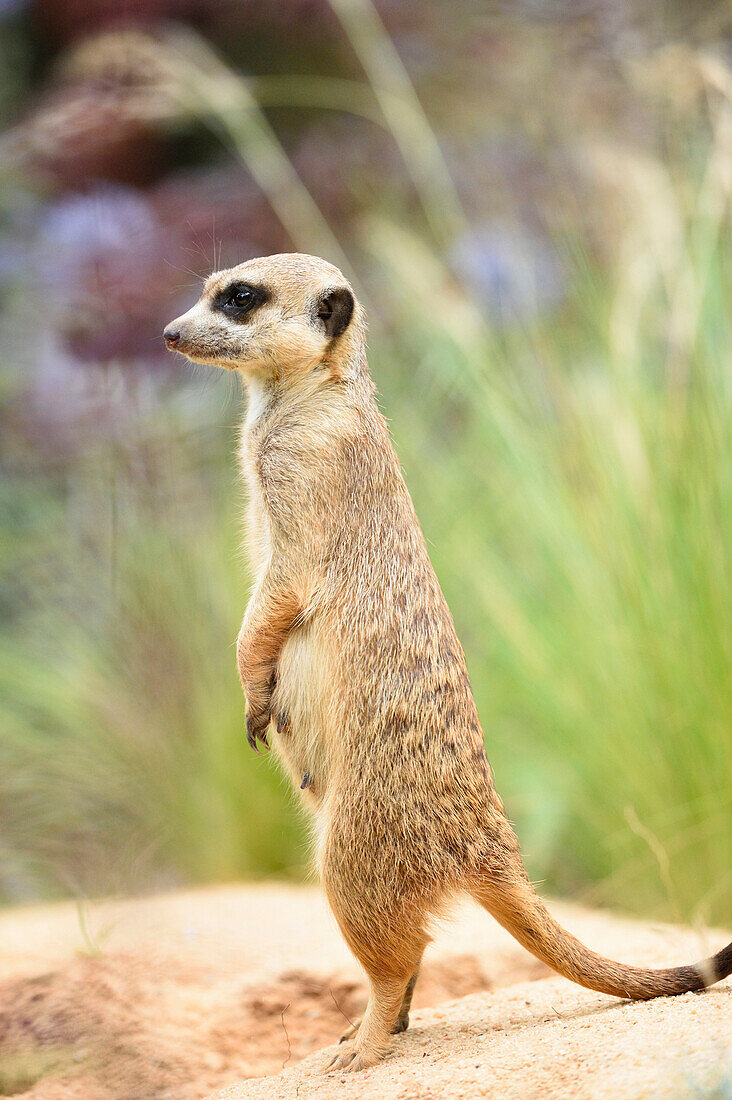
(349, 659)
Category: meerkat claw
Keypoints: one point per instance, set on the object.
(343, 1060)
(254, 734)
(351, 1061)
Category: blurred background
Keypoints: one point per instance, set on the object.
(533, 200)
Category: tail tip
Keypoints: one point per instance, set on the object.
(716, 968)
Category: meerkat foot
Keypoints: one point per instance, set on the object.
(401, 1025)
(389, 999)
(403, 1020)
(351, 1060)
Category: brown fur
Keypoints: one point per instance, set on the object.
(348, 643)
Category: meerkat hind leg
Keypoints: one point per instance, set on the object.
(402, 1020)
(390, 960)
(372, 1038)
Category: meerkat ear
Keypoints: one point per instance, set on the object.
(335, 310)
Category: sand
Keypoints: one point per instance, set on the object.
(177, 996)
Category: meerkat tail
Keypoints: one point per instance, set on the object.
(519, 909)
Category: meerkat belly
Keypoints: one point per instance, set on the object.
(302, 710)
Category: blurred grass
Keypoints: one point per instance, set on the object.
(573, 475)
(123, 760)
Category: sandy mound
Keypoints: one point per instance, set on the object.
(143, 1024)
(127, 1027)
(179, 995)
(548, 1039)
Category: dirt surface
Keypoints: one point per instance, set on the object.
(180, 995)
(536, 1041)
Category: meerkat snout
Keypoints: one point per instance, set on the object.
(273, 316)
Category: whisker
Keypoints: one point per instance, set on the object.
(188, 271)
(198, 247)
(217, 259)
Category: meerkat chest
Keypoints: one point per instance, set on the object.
(257, 532)
(303, 696)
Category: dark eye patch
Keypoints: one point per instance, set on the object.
(237, 300)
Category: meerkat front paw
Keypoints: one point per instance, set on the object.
(257, 721)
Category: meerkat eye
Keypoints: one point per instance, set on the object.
(238, 300)
(241, 297)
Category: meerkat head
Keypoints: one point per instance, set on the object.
(276, 316)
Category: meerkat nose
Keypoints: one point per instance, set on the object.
(171, 336)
